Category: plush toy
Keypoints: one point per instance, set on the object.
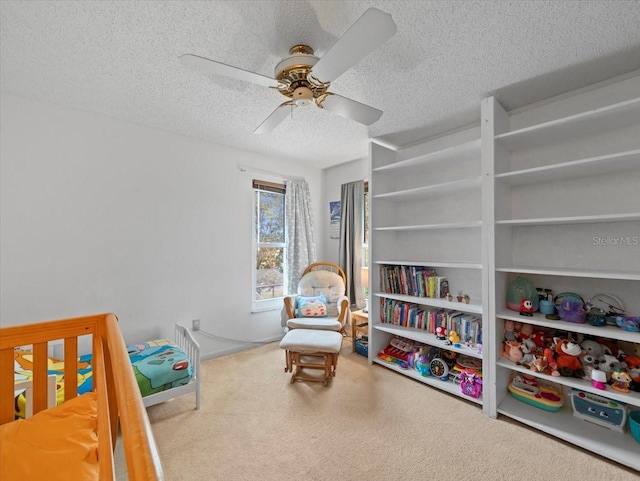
(540, 364)
(528, 348)
(526, 308)
(610, 365)
(571, 309)
(568, 358)
(525, 332)
(538, 338)
(509, 334)
(552, 365)
(512, 351)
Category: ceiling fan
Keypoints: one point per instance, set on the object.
(305, 78)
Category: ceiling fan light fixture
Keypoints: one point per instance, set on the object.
(302, 96)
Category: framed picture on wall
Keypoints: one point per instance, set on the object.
(334, 219)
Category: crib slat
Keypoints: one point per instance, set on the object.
(40, 361)
(70, 367)
(6, 386)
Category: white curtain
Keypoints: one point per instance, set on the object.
(301, 245)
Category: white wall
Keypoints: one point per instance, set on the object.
(99, 215)
(334, 177)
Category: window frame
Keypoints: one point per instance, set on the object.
(261, 305)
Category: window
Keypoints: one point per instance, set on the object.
(269, 247)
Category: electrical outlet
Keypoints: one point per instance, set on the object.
(195, 326)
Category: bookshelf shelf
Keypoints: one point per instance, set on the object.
(430, 190)
(474, 307)
(447, 386)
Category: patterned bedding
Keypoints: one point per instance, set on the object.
(158, 365)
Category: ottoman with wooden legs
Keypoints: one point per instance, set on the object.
(311, 349)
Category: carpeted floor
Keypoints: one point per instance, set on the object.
(369, 424)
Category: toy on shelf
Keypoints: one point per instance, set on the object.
(568, 358)
(570, 307)
(399, 351)
(470, 383)
(453, 338)
(440, 333)
(631, 324)
(620, 381)
(599, 379)
(599, 410)
(519, 290)
(526, 308)
(537, 392)
(439, 368)
(512, 351)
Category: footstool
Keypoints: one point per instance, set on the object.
(311, 349)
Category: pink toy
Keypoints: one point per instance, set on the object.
(512, 351)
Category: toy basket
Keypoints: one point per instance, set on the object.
(362, 346)
(634, 425)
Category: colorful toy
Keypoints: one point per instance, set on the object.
(440, 333)
(599, 379)
(631, 324)
(439, 369)
(536, 392)
(393, 360)
(520, 289)
(470, 383)
(599, 410)
(571, 309)
(526, 308)
(620, 381)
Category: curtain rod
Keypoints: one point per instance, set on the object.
(254, 170)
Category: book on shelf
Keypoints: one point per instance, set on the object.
(417, 281)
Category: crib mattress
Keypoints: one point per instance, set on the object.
(158, 365)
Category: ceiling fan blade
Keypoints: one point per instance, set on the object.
(275, 118)
(350, 109)
(370, 31)
(209, 66)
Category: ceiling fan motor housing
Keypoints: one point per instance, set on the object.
(293, 74)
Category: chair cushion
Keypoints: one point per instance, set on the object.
(323, 323)
(312, 306)
(309, 340)
(325, 283)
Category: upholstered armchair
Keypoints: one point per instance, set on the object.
(305, 309)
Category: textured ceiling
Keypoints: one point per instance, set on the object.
(120, 59)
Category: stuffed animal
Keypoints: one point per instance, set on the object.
(512, 351)
(552, 365)
(610, 365)
(568, 358)
(528, 348)
(509, 334)
(538, 338)
(525, 332)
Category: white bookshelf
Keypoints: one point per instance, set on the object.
(565, 215)
(425, 211)
(548, 192)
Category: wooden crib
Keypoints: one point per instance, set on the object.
(116, 391)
